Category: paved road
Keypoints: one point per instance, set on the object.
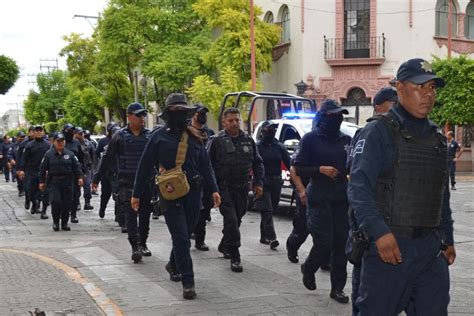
(88, 270)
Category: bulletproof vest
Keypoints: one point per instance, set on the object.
(235, 159)
(85, 149)
(411, 193)
(132, 149)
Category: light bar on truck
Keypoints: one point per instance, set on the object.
(296, 115)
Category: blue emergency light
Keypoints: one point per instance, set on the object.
(297, 115)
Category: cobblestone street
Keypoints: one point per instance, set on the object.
(88, 270)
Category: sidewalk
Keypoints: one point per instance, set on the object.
(100, 255)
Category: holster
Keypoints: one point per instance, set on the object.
(360, 244)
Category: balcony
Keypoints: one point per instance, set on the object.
(360, 51)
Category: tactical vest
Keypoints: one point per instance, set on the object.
(87, 156)
(411, 193)
(234, 159)
(132, 149)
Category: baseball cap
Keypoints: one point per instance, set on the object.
(38, 127)
(385, 94)
(331, 106)
(78, 130)
(20, 134)
(57, 136)
(201, 108)
(418, 71)
(136, 108)
(269, 124)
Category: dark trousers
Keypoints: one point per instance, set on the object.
(87, 184)
(419, 285)
(60, 196)
(181, 217)
(300, 231)
(138, 223)
(204, 215)
(20, 184)
(6, 170)
(233, 207)
(328, 224)
(356, 270)
(34, 193)
(106, 192)
(267, 204)
(452, 172)
(76, 193)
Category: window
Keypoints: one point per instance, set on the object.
(442, 12)
(268, 17)
(469, 21)
(356, 28)
(289, 132)
(285, 24)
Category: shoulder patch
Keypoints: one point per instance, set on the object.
(359, 147)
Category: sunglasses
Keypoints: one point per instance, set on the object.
(141, 114)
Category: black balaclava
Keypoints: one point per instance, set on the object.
(330, 125)
(177, 119)
(268, 134)
(68, 134)
(202, 117)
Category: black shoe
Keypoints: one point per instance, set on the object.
(325, 267)
(8, 180)
(94, 193)
(74, 220)
(123, 229)
(56, 227)
(293, 258)
(65, 227)
(88, 206)
(264, 241)
(101, 212)
(27, 204)
(44, 216)
(291, 254)
(453, 188)
(188, 292)
(208, 217)
(34, 209)
(236, 265)
(193, 236)
(224, 251)
(20, 194)
(201, 246)
(339, 296)
(155, 216)
(274, 244)
(144, 249)
(309, 280)
(174, 275)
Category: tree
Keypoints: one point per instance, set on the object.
(455, 101)
(9, 73)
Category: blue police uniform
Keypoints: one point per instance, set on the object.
(59, 170)
(273, 154)
(12, 158)
(182, 214)
(5, 147)
(125, 149)
(453, 148)
(423, 274)
(19, 163)
(107, 179)
(75, 146)
(326, 197)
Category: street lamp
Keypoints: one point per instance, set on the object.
(301, 87)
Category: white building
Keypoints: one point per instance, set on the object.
(12, 119)
(349, 49)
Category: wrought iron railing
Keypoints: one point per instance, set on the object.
(362, 47)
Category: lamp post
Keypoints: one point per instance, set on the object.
(301, 87)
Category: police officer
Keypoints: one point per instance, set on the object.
(5, 146)
(76, 148)
(273, 154)
(87, 135)
(88, 150)
(126, 147)
(180, 214)
(383, 101)
(198, 122)
(106, 185)
(399, 195)
(454, 152)
(58, 170)
(322, 157)
(31, 160)
(234, 156)
(12, 157)
(21, 149)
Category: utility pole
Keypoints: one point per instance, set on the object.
(450, 12)
(49, 64)
(88, 18)
(253, 71)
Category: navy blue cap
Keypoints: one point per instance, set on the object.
(201, 108)
(418, 71)
(385, 94)
(20, 134)
(57, 136)
(331, 106)
(38, 127)
(68, 126)
(78, 130)
(135, 108)
(269, 124)
(31, 128)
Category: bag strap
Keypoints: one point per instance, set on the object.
(182, 149)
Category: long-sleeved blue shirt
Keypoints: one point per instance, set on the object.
(161, 150)
(373, 155)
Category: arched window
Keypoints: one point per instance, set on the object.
(268, 17)
(356, 98)
(442, 12)
(285, 24)
(469, 21)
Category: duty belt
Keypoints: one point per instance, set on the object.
(412, 232)
(231, 185)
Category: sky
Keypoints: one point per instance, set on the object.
(31, 30)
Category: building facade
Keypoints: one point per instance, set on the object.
(349, 49)
(12, 119)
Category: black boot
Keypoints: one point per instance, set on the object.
(144, 249)
(27, 204)
(56, 227)
(136, 253)
(174, 275)
(87, 205)
(339, 296)
(309, 280)
(189, 293)
(34, 208)
(43, 214)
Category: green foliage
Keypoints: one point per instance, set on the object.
(52, 127)
(14, 132)
(9, 73)
(456, 99)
